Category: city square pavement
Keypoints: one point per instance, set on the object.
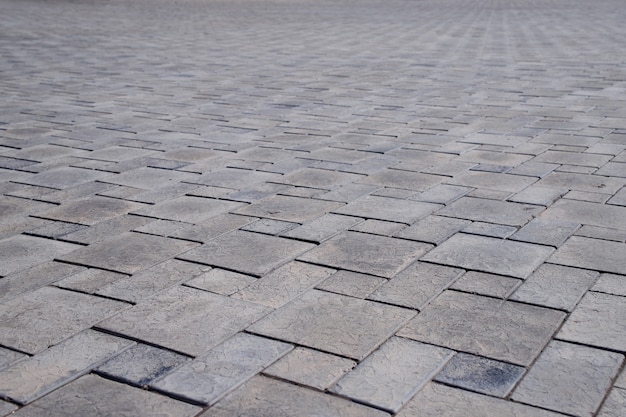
(312, 208)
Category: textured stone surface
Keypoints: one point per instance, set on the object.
(486, 254)
(611, 284)
(92, 395)
(188, 209)
(20, 252)
(496, 329)
(221, 281)
(333, 323)
(362, 253)
(433, 229)
(486, 284)
(9, 357)
(351, 283)
(546, 232)
(615, 404)
(311, 368)
(91, 210)
(569, 378)
(225, 367)
(249, 253)
(6, 408)
(481, 375)
(492, 211)
(89, 280)
(390, 376)
(584, 212)
(403, 179)
(597, 321)
(322, 228)
(36, 376)
(583, 252)
(267, 397)
(381, 208)
(177, 319)
(32, 278)
(493, 181)
(290, 209)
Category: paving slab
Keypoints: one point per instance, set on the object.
(20, 252)
(490, 211)
(583, 252)
(188, 209)
(289, 209)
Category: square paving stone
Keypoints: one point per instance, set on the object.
(359, 252)
(437, 400)
(415, 286)
(407, 180)
(490, 211)
(92, 394)
(546, 232)
(503, 257)
(390, 376)
(129, 252)
(263, 396)
(598, 320)
(290, 209)
(311, 368)
(20, 252)
(333, 323)
(142, 364)
(185, 320)
(484, 326)
(188, 209)
(556, 286)
(65, 177)
(351, 283)
(601, 255)
(246, 252)
(381, 208)
(569, 378)
(46, 371)
(91, 210)
(207, 379)
(482, 375)
(44, 317)
(583, 212)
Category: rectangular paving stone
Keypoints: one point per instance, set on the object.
(322, 228)
(583, 252)
(573, 158)
(188, 209)
(484, 326)
(416, 285)
(481, 375)
(493, 181)
(6, 408)
(390, 376)
(221, 281)
(42, 318)
(597, 321)
(90, 211)
(149, 178)
(128, 253)
(381, 208)
(611, 284)
(442, 194)
(177, 319)
(311, 368)
(290, 209)
(35, 277)
(36, 376)
(407, 180)
(233, 178)
(213, 227)
(333, 323)
(569, 378)
(439, 400)
(614, 404)
(64, 177)
(89, 280)
(503, 257)
(370, 254)
(587, 213)
(351, 283)
(284, 284)
(433, 229)
(107, 229)
(490, 211)
(537, 194)
(248, 253)
(348, 192)
(9, 357)
(546, 232)
(582, 182)
(486, 284)
(317, 178)
(21, 251)
(208, 378)
(92, 393)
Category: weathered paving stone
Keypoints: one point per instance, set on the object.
(485, 254)
(91, 210)
(582, 182)
(489, 229)
(263, 396)
(311, 368)
(493, 181)
(481, 375)
(269, 226)
(439, 400)
(390, 376)
(333, 323)
(284, 284)
(619, 199)
(611, 284)
(613, 169)
(486, 284)
(602, 233)
(248, 253)
(89, 280)
(442, 194)
(177, 319)
(322, 228)
(433, 229)
(20, 252)
(221, 281)
(32, 278)
(587, 196)
(556, 286)
(490, 211)
(407, 180)
(348, 192)
(416, 285)
(107, 229)
(6, 408)
(225, 367)
(546, 232)
(9, 357)
(64, 177)
(55, 230)
(573, 158)
(534, 169)
(494, 158)
(289, 209)
(597, 321)
(213, 227)
(165, 228)
(536, 194)
(484, 326)
(381, 208)
(149, 178)
(188, 209)
(234, 178)
(351, 283)
(583, 252)
(128, 253)
(317, 178)
(615, 404)
(91, 394)
(48, 370)
(569, 378)
(378, 227)
(44, 317)
(583, 212)
(374, 255)
(141, 364)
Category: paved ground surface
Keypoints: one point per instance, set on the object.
(292, 208)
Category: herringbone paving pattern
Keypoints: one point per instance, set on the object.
(312, 208)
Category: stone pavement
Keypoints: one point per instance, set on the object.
(312, 208)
